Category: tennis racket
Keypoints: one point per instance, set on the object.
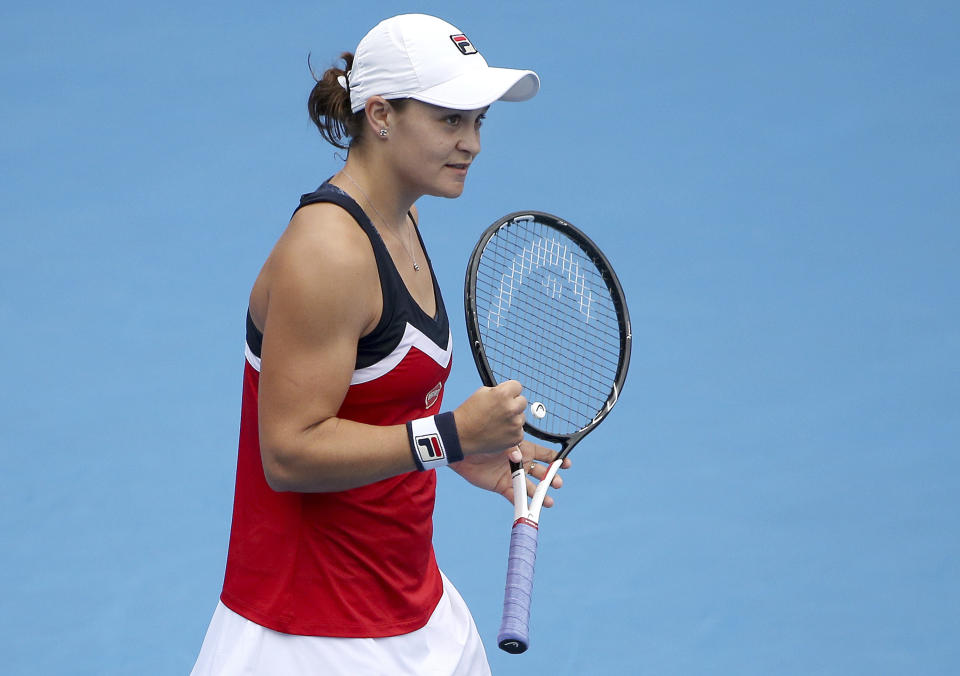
(544, 307)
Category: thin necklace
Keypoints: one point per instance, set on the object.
(408, 249)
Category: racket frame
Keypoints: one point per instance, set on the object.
(567, 441)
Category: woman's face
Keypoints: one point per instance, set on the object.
(432, 147)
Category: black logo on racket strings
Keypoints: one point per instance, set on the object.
(464, 45)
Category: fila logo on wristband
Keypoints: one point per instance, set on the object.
(429, 448)
(434, 441)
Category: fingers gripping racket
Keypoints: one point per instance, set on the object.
(544, 307)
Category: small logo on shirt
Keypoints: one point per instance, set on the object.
(432, 395)
(429, 447)
(463, 44)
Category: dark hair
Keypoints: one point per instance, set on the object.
(329, 106)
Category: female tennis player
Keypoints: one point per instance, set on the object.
(331, 567)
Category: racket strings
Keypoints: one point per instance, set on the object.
(547, 319)
(499, 298)
(599, 366)
(511, 282)
(600, 358)
(579, 403)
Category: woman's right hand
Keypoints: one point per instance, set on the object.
(491, 420)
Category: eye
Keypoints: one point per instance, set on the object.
(480, 119)
(453, 120)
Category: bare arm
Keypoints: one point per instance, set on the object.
(318, 294)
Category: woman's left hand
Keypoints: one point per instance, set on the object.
(492, 470)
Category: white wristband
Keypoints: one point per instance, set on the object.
(434, 441)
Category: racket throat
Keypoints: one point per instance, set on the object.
(519, 480)
(521, 509)
(536, 504)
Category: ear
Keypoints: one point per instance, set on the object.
(378, 111)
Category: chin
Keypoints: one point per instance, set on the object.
(448, 191)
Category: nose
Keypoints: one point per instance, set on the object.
(470, 141)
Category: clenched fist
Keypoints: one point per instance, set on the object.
(491, 420)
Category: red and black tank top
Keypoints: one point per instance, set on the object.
(356, 563)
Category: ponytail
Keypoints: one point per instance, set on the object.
(329, 106)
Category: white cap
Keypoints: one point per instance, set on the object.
(424, 58)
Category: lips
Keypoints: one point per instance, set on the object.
(459, 169)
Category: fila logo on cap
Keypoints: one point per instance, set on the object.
(463, 44)
(429, 447)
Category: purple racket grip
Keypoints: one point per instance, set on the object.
(514, 636)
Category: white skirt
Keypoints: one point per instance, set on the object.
(448, 645)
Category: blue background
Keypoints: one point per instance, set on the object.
(777, 186)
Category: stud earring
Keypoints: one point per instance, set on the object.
(383, 133)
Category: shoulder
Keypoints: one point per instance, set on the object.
(327, 230)
(323, 241)
(324, 259)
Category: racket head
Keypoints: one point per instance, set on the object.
(544, 307)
